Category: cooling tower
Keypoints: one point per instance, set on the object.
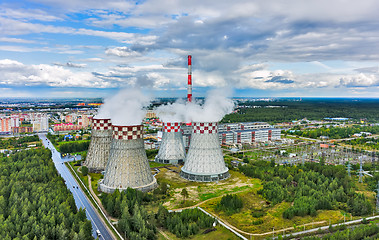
(172, 147)
(127, 164)
(204, 161)
(98, 151)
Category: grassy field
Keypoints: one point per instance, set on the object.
(153, 164)
(95, 177)
(220, 234)
(272, 216)
(199, 192)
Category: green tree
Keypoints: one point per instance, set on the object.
(84, 170)
(184, 193)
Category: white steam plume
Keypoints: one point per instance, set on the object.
(216, 106)
(125, 108)
(172, 112)
(103, 113)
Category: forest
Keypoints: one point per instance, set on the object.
(71, 147)
(370, 143)
(17, 142)
(312, 109)
(184, 224)
(360, 232)
(134, 219)
(55, 139)
(136, 222)
(310, 187)
(35, 202)
(334, 132)
(230, 203)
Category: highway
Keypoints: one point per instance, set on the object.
(81, 200)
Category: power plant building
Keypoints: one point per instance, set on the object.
(98, 151)
(243, 126)
(172, 150)
(249, 136)
(127, 164)
(204, 161)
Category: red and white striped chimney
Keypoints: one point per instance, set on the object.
(189, 93)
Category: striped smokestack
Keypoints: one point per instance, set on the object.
(189, 93)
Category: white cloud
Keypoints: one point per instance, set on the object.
(360, 80)
(122, 52)
(72, 65)
(28, 14)
(14, 73)
(232, 43)
(16, 40)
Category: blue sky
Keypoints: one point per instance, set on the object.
(273, 48)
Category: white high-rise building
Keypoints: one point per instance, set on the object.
(41, 123)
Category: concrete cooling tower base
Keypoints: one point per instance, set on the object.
(98, 151)
(204, 161)
(128, 166)
(203, 177)
(172, 150)
(145, 188)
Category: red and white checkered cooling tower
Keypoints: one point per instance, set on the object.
(98, 151)
(172, 150)
(128, 165)
(204, 161)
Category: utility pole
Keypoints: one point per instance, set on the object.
(377, 199)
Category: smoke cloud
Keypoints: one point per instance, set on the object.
(172, 112)
(217, 104)
(125, 108)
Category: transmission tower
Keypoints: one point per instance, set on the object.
(348, 169)
(360, 173)
(373, 159)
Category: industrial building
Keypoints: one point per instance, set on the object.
(127, 163)
(172, 150)
(249, 136)
(242, 126)
(204, 161)
(232, 133)
(98, 151)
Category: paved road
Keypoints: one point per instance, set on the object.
(81, 200)
(314, 230)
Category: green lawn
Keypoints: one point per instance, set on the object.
(199, 191)
(156, 164)
(220, 234)
(272, 217)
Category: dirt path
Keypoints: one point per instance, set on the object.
(241, 231)
(164, 234)
(266, 233)
(98, 200)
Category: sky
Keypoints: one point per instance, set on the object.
(271, 48)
